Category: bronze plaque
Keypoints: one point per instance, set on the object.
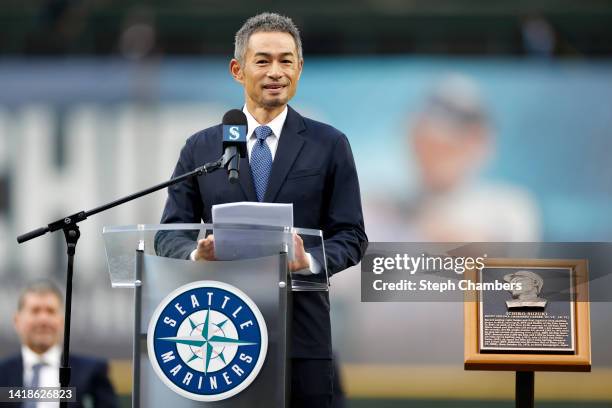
(536, 314)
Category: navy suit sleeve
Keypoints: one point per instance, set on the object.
(101, 390)
(182, 206)
(343, 228)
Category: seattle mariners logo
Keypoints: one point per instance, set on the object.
(234, 133)
(207, 341)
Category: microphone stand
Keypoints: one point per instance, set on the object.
(69, 225)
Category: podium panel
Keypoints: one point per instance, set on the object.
(262, 281)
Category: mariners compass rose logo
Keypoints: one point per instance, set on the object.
(207, 341)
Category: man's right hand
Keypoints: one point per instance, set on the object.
(205, 250)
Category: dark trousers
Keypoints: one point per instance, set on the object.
(311, 383)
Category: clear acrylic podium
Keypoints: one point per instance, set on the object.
(154, 261)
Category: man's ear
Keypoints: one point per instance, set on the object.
(236, 70)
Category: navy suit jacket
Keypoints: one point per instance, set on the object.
(88, 375)
(314, 169)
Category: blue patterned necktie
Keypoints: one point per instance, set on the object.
(261, 161)
(34, 383)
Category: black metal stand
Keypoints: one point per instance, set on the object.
(71, 233)
(525, 389)
(136, 347)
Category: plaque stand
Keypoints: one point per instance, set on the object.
(525, 364)
(524, 396)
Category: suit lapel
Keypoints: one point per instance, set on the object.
(289, 145)
(246, 179)
(15, 372)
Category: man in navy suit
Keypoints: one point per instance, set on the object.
(39, 323)
(292, 159)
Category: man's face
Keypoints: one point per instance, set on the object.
(270, 70)
(39, 323)
(527, 286)
(447, 155)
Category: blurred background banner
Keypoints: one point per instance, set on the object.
(469, 121)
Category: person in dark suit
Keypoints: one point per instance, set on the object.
(292, 159)
(39, 323)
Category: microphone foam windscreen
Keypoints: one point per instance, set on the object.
(235, 117)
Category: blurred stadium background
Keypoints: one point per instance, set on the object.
(515, 97)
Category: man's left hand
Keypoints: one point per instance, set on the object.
(300, 258)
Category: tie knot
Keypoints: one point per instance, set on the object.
(262, 132)
(38, 366)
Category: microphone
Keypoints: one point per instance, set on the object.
(234, 142)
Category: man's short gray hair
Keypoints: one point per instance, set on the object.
(41, 286)
(265, 22)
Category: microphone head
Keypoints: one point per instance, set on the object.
(235, 117)
(235, 131)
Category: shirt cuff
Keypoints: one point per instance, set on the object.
(192, 255)
(313, 269)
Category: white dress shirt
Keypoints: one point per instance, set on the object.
(275, 124)
(49, 373)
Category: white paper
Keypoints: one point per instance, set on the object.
(244, 243)
(251, 213)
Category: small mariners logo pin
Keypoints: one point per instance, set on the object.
(207, 341)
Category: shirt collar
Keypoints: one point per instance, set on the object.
(275, 124)
(50, 357)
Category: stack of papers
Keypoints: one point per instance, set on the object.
(244, 242)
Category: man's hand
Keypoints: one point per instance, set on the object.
(300, 259)
(206, 249)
